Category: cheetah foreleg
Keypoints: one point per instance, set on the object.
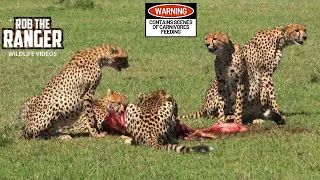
(239, 103)
(221, 100)
(89, 114)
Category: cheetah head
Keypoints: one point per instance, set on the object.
(158, 95)
(117, 101)
(216, 41)
(162, 95)
(295, 33)
(116, 57)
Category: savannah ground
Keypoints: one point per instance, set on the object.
(183, 67)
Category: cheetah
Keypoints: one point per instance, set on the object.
(101, 107)
(153, 120)
(226, 91)
(71, 92)
(253, 107)
(263, 54)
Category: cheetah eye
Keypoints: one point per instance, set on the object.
(297, 30)
(205, 39)
(213, 39)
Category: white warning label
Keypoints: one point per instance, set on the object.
(170, 20)
(171, 27)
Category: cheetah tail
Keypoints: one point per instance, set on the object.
(25, 108)
(199, 114)
(182, 149)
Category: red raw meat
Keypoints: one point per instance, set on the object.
(116, 123)
(225, 128)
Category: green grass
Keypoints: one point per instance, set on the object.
(183, 67)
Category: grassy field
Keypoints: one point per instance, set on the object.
(183, 67)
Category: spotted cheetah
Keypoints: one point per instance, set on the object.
(71, 92)
(226, 91)
(115, 100)
(263, 54)
(257, 84)
(152, 121)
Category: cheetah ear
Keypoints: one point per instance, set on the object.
(140, 95)
(144, 96)
(226, 38)
(284, 28)
(125, 100)
(113, 50)
(168, 97)
(109, 92)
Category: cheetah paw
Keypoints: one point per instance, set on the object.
(221, 121)
(64, 137)
(100, 135)
(258, 121)
(127, 139)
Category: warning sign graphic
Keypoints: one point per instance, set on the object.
(171, 20)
